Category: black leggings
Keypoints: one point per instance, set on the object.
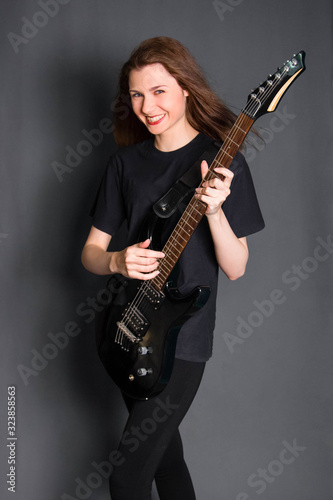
(151, 446)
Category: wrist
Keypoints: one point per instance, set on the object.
(215, 217)
(112, 262)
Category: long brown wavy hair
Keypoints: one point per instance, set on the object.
(205, 111)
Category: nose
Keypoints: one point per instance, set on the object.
(147, 105)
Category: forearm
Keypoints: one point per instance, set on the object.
(231, 252)
(96, 260)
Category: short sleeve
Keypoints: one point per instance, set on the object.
(241, 207)
(108, 210)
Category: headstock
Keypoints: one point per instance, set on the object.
(266, 97)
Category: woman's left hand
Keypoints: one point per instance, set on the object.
(214, 192)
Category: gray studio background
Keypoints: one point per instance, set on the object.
(265, 403)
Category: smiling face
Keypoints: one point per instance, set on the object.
(158, 100)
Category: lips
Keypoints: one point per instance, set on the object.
(155, 120)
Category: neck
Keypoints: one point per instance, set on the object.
(172, 140)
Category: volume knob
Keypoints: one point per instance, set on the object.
(142, 372)
(145, 350)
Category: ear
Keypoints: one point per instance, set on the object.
(186, 94)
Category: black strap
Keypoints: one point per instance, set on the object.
(168, 204)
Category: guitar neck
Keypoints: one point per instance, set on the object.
(263, 99)
(196, 209)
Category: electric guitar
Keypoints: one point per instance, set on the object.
(140, 327)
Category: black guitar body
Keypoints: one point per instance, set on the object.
(140, 335)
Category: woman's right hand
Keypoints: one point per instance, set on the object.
(136, 261)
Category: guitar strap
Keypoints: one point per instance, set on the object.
(168, 204)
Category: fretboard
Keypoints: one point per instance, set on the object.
(196, 209)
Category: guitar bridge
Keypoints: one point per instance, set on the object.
(123, 328)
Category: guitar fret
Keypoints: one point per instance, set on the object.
(229, 139)
(183, 228)
(175, 245)
(178, 234)
(168, 269)
(217, 161)
(188, 234)
(171, 256)
(156, 281)
(173, 240)
(172, 251)
(239, 128)
(162, 269)
(186, 226)
(197, 211)
(195, 220)
(211, 174)
(164, 273)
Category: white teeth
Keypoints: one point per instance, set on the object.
(154, 119)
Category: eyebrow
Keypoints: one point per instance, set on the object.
(151, 89)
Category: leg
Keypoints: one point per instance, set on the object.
(151, 428)
(172, 478)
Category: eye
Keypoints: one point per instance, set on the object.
(159, 91)
(136, 94)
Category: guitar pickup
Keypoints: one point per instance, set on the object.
(135, 321)
(154, 296)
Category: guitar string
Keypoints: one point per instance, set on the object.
(249, 108)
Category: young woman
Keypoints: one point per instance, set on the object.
(174, 117)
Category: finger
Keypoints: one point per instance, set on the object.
(212, 197)
(227, 174)
(225, 171)
(147, 252)
(212, 190)
(144, 276)
(204, 168)
(142, 267)
(215, 183)
(212, 202)
(143, 244)
(140, 263)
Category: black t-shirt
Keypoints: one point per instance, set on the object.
(139, 175)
